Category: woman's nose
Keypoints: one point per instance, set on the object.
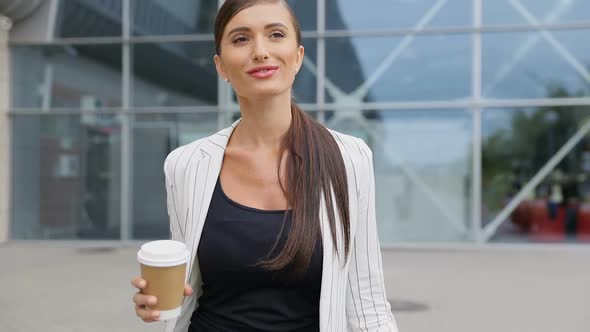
(260, 52)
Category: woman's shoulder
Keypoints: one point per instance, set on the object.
(183, 155)
(351, 146)
(188, 154)
(356, 154)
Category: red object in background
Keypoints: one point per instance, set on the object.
(542, 226)
(521, 216)
(583, 229)
(533, 217)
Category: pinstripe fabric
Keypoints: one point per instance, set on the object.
(352, 295)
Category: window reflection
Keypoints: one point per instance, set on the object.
(176, 17)
(89, 18)
(306, 13)
(187, 78)
(422, 168)
(531, 12)
(398, 68)
(79, 76)
(387, 14)
(67, 177)
(531, 64)
(517, 144)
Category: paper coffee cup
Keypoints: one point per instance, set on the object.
(163, 266)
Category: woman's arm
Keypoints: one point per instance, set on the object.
(366, 301)
(173, 201)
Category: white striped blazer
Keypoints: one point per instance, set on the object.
(352, 296)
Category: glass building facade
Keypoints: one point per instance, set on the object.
(476, 110)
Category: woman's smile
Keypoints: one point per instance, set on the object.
(263, 71)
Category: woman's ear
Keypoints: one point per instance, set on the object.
(300, 54)
(219, 67)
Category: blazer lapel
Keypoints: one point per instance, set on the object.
(212, 150)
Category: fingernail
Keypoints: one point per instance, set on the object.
(152, 300)
(155, 314)
(142, 283)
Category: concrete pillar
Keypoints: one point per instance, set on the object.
(5, 25)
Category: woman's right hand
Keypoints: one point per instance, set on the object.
(141, 300)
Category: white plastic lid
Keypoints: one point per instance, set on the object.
(163, 253)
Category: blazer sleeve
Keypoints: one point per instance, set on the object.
(367, 307)
(176, 232)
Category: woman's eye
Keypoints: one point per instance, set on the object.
(277, 35)
(239, 39)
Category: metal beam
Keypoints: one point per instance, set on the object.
(476, 81)
(126, 131)
(5, 145)
(434, 31)
(387, 106)
(320, 71)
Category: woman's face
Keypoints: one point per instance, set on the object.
(260, 55)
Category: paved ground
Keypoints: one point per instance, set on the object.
(69, 287)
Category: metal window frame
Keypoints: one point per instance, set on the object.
(126, 130)
(426, 31)
(476, 176)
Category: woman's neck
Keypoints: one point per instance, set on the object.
(264, 122)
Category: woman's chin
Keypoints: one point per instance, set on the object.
(264, 92)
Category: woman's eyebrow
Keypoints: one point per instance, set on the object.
(268, 26)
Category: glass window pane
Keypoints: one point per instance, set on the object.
(306, 13)
(422, 169)
(532, 12)
(66, 177)
(181, 17)
(536, 64)
(517, 144)
(77, 76)
(398, 68)
(173, 17)
(185, 74)
(88, 18)
(388, 14)
(154, 136)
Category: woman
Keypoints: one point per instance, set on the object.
(277, 210)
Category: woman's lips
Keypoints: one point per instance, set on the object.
(263, 72)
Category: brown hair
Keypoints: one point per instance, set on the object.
(314, 166)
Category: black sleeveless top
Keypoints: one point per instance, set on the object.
(238, 296)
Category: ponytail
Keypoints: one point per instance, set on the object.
(314, 168)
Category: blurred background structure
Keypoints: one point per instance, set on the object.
(476, 110)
